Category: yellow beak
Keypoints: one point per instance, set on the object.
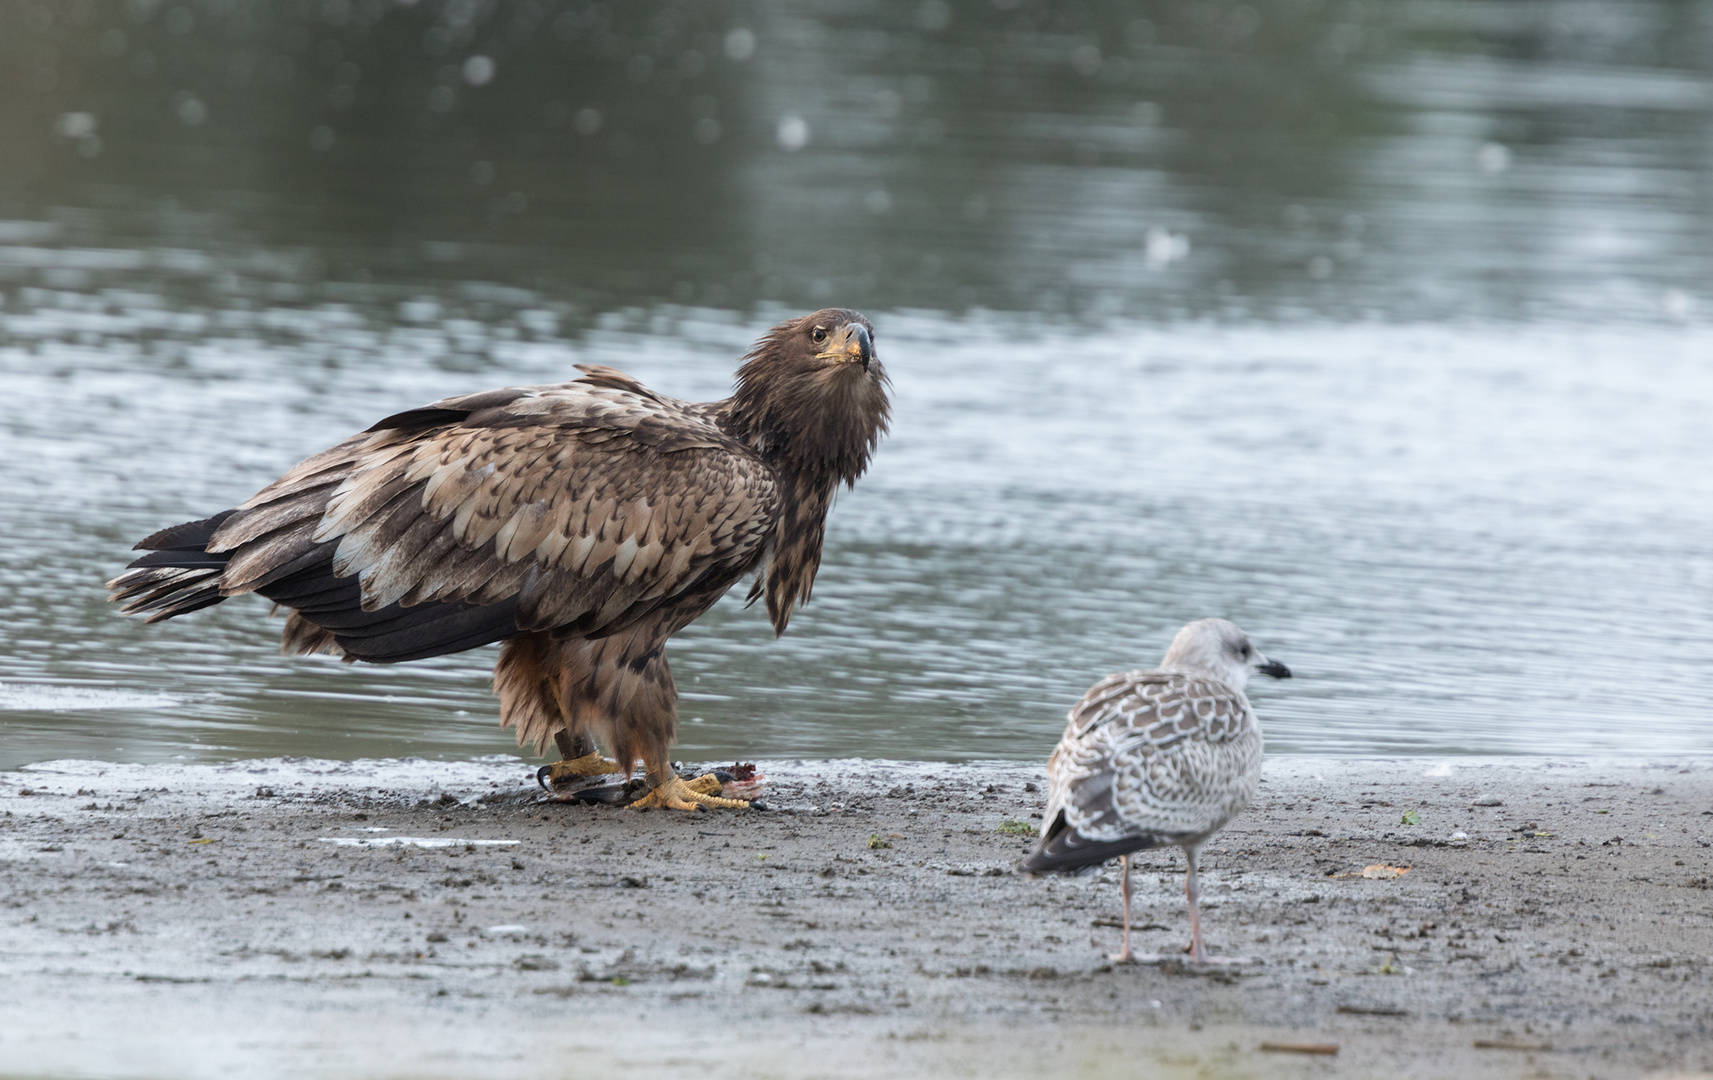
(850, 344)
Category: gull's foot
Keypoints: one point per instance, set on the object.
(1122, 956)
(676, 794)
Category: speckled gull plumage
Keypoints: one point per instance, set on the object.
(1155, 754)
(1151, 758)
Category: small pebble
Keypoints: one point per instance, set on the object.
(1488, 800)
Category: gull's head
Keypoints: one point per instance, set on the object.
(1216, 648)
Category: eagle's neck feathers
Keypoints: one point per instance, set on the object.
(816, 426)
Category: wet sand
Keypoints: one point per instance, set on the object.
(427, 919)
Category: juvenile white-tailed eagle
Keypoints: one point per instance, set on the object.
(1158, 757)
(581, 524)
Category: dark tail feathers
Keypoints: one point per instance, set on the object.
(176, 576)
(1063, 849)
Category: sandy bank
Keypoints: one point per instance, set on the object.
(301, 918)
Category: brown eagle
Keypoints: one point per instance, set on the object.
(580, 524)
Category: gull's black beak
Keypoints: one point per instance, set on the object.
(1275, 669)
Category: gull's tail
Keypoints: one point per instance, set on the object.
(1063, 849)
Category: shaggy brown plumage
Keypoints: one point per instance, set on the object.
(582, 524)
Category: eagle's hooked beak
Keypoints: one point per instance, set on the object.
(852, 345)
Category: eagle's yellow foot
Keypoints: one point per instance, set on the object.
(676, 794)
(706, 784)
(591, 764)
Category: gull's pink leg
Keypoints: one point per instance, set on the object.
(1192, 893)
(1124, 955)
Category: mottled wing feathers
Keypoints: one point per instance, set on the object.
(1154, 754)
(583, 505)
(1156, 710)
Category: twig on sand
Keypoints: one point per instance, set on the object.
(1326, 1049)
(1510, 1044)
(1118, 924)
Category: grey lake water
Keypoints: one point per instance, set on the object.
(1384, 330)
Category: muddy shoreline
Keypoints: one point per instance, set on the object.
(394, 918)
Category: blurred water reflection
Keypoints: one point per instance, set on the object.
(1411, 159)
(1381, 329)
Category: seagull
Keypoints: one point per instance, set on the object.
(1158, 757)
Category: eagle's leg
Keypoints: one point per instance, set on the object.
(536, 680)
(578, 758)
(639, 710)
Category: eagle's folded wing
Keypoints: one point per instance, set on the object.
(581, 506)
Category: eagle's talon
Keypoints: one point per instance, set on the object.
(676, 794)
(706, 784)
(568, 770)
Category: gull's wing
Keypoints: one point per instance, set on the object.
(1147, 758)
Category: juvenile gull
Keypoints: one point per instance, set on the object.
(1158, 757)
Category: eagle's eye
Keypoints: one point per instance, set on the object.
(819, 334)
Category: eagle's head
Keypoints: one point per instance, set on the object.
(812, 394)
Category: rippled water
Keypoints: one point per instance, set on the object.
(1381, 330)
(1474, 540)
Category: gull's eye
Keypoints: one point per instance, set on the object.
(1245, 651)
(818, 335)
